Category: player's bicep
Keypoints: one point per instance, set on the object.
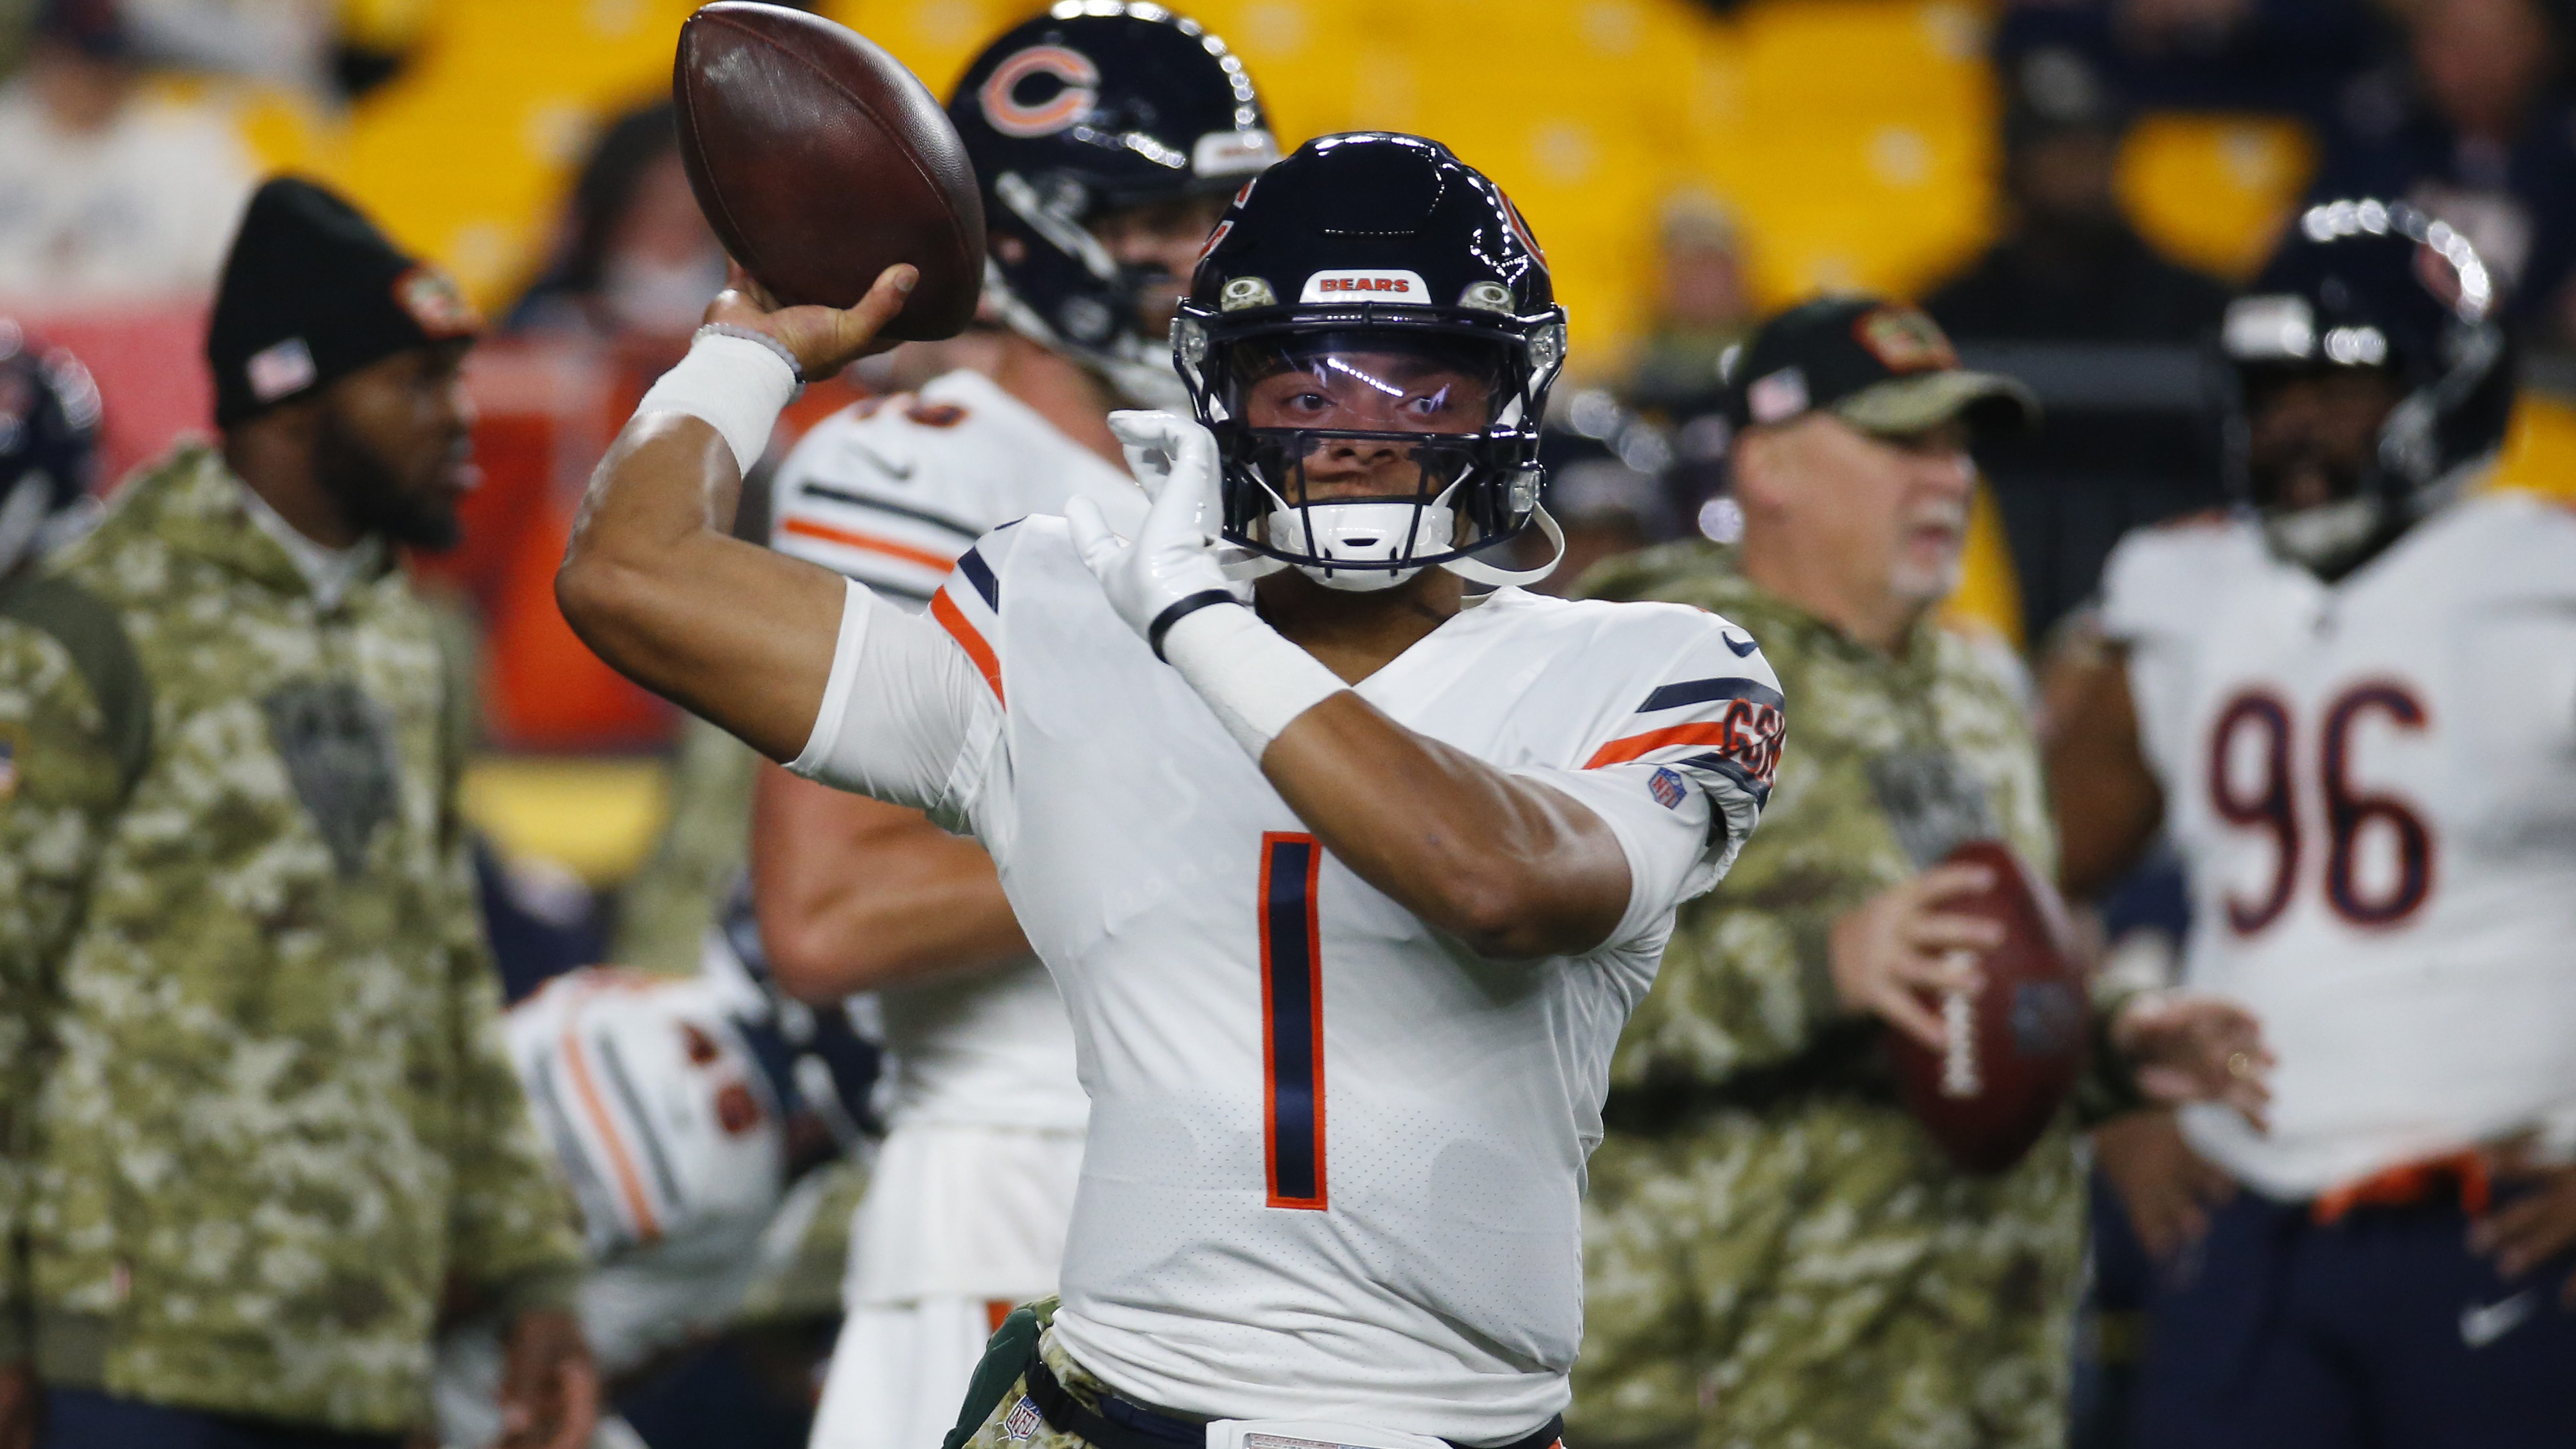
(1671, 834)
(907, 712)
(728, 630)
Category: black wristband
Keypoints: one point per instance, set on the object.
(1180, 609)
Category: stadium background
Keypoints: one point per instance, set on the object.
(1854, 141)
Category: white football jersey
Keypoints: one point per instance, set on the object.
(1335, 1158)
(2373, 787)
(888, 492)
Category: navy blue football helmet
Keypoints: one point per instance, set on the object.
(1382, 268)
(1095, 106)
(49, 417)
(2381, 285)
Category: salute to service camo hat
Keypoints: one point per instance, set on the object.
(1881, 366)
(313, 292)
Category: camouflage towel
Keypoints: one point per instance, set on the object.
(262, 1111)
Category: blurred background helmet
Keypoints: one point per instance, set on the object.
(1361, 254)
(1094, 107)
(2376, 287)
(49, 420)
(653, 1102)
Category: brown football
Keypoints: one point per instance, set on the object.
(2017, 1043)
(820, 161)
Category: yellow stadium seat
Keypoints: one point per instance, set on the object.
(2213, 191)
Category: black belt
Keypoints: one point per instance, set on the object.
(1124, 1424)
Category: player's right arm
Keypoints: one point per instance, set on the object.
(854, 894)
(652, 580)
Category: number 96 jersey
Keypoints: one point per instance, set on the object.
(2373, 787)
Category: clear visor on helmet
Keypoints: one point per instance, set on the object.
(1375, 416)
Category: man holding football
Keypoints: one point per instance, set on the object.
(2351, 706)
(1779, 1253)
(1091, 241)
(1348, 898)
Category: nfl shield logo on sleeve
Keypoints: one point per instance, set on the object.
(1667, 788)
(1023, 1420)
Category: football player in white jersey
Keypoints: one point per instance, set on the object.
(1107, 138)
(2352, 707)
(1348, 884)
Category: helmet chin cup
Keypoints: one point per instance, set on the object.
(2325, 536)
(1373, 537)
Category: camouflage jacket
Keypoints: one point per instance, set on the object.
(1892, 762)
(261, 1113)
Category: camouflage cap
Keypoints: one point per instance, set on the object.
(1881, 366)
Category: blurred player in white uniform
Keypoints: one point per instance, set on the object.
(670, 1136)
(1348, 885)
(2353, 708)
(1107, 140)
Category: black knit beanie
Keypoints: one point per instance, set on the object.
(313, 292)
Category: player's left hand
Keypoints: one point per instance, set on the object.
(549, 1388)
(2188, 1048)
(1174, 556)
(2531, 1226)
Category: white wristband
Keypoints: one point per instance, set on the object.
(732, 384)
(1253, 679)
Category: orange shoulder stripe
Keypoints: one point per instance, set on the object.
(807, 528)
(1620, 752)
(945, 610)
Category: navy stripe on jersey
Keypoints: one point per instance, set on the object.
(1701, 691)
(980, 574)
(1292, 1019)
(966, 531)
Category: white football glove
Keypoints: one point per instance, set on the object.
(1173, 568)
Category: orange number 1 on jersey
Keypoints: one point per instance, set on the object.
(1292, 1021)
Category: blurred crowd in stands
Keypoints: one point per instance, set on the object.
(116, 198)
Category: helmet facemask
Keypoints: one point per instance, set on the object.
(2367, 297)
(1362, 455)
(1098, 318)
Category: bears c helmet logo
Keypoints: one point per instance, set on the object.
(1077, 90)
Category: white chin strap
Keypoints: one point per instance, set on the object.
(1372, 535)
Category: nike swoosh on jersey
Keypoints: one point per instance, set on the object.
(882, 463)
(1743, 649)
(2483, 1324)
